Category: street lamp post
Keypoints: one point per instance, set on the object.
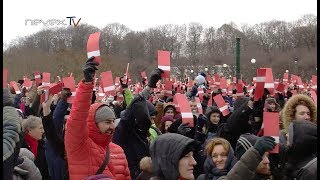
(253, 62)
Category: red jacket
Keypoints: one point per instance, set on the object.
(85, 145)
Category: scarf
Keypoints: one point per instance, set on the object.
(32, 143)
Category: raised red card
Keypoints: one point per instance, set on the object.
(164, 63)
(271, 128)
(5, 78)
(184, 107)
(223, 107)
(107, 83)
(93, 47)
(69, 82)
(200, 111)
(46, 79)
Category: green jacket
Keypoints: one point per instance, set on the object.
(154, 132)
(128, 96)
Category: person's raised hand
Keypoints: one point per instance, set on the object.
(89, 69)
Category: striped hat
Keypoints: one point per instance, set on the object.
(244, 143)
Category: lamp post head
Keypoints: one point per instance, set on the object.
(253, 61)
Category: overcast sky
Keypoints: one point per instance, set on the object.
(142, 14)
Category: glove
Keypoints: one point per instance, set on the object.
(201, 121)
(184, 129)
(123, 85)
(264, 143)
(155, 77)
(89, 69)
(65, 93)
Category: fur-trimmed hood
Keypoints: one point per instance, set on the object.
(288, 112)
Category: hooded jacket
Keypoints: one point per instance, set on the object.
(165, 153)
(27, 168)
(246, 167)
(212, 172)
(11, 140)
(132, 132)
(85, 145)
(288, 112)
(302, 148)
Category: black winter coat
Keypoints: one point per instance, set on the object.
(40, 161)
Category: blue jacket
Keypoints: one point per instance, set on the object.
(53, 125)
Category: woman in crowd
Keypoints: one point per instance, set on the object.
(220, 159)
(33, 141)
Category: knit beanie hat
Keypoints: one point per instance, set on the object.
(166, 118)
(103, 113)
(244, 143)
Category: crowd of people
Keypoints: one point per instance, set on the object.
(144, 136)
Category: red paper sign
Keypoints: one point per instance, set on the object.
(260, 80)
(100, 94)
(52, 91)
(314, 80)
(280, 87)
(46, 79)
(184, 107)
(93, 47)
(285, 77)
(271, 128)
(223, 107)
(168, 88)
(200, 93)
(107, 83)
(5, 78)
(69, 82)
(239, 88)
(164, 63)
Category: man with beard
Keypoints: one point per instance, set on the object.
(88, 135)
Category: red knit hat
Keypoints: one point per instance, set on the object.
(166, 118)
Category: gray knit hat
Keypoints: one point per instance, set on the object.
(103, 113)
(244, 143)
